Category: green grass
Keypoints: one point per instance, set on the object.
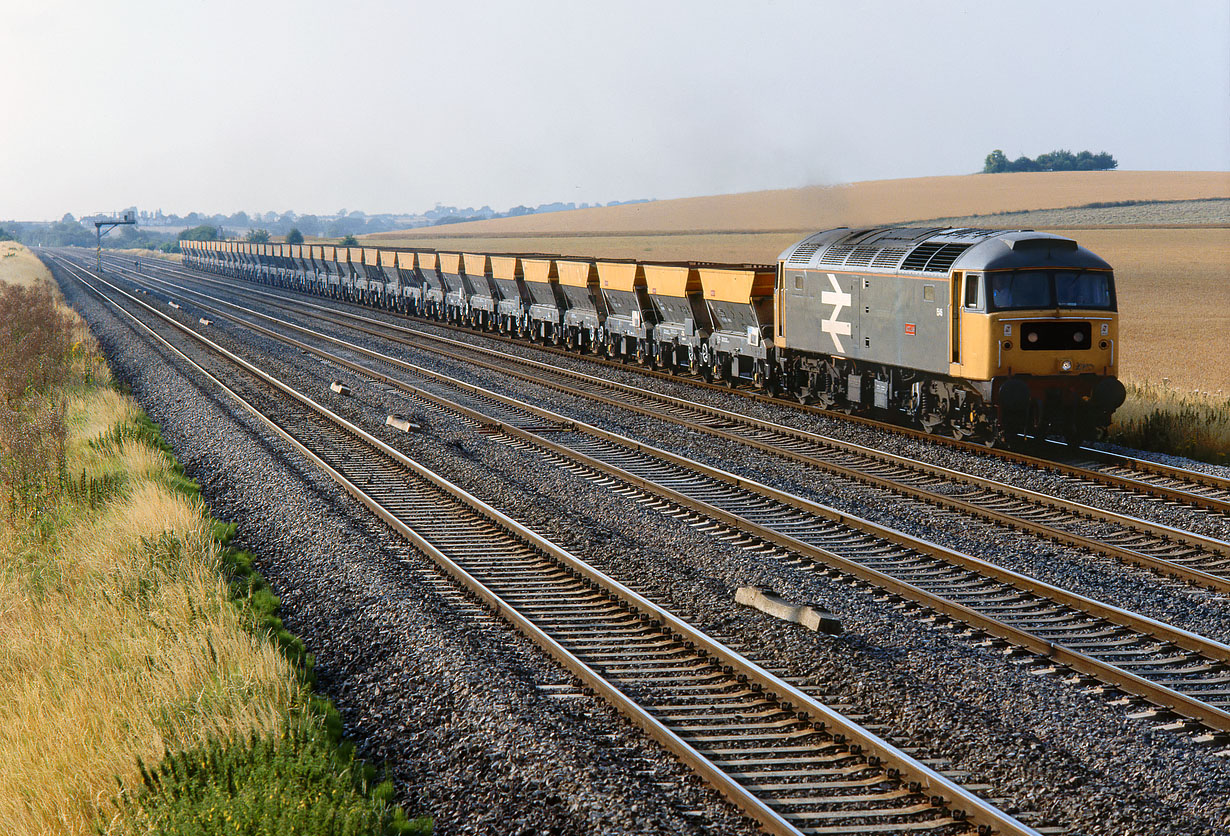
(132, 632)
(298, 783)
(304, 782)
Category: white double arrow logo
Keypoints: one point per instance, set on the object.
(839, 300)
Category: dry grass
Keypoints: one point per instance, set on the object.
(117, 636)
(1186, 423)
(20, 266)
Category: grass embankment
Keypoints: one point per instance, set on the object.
(130, 633)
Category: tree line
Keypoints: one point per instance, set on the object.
(998, 162)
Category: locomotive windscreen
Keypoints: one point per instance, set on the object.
(1033, 289)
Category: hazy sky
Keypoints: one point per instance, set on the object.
(217, 106)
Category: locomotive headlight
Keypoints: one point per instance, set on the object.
(1065, 365)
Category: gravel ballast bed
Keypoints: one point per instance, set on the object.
(1025, 734)
(1094, 576)
(453, 704)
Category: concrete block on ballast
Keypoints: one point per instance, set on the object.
(340, 388)
(773, 604)
(404, 424)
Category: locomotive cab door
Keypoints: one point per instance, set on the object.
(968, 325)
(955, 317)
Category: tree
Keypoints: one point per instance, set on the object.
(294, 236)
(68, 218)
(1060, 160)
(257, 236)
(348, 241)
(204, 232)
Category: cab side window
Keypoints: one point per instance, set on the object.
(973, 292)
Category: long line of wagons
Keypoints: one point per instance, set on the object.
(971, 332)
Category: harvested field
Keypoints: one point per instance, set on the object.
(855, 204)
(1174, 303)
(1174, 285)
(1144, 213)
(1168, 252)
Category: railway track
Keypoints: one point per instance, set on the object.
(1087, 465)
(790, 762)
(1173, 670)
(1188, 556)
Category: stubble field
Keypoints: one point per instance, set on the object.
(1173, 274)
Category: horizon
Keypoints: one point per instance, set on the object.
(255, 213)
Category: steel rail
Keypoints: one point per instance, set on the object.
(1212, 492)
(903, 477)
(1178, 702)
(877, 753)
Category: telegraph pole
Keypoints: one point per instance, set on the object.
(127, 220)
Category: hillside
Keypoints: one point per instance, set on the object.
(855, 204)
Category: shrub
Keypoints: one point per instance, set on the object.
(204, 232)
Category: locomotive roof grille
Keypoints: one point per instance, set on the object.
(862, 256)
(889, 256)
(803, 253)
(836, 254)
(932, 251)
(942, 261)
(933, 257)
(917, 260)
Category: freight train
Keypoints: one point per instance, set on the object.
(969, 332)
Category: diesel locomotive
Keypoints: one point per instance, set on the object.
(970, 332)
